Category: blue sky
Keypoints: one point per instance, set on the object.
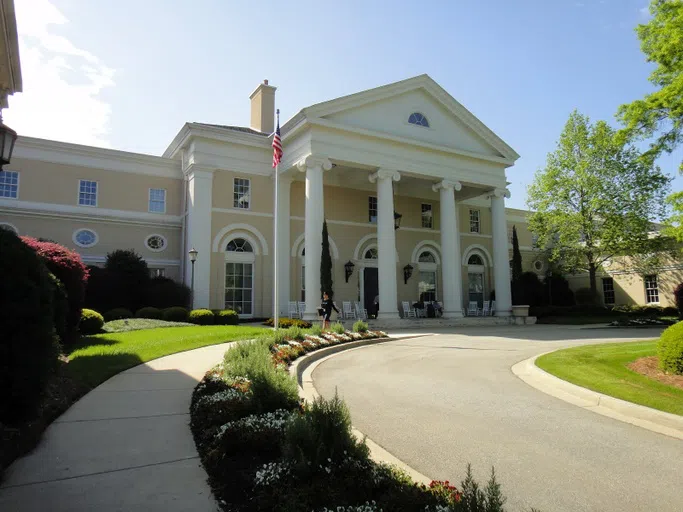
(128, 74)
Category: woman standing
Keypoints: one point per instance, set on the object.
(326, 307)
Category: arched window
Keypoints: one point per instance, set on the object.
(371, 254)
(418, 119)
(239, 245)
(475, 259)
(426, 257)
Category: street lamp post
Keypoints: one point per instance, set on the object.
(193, 258)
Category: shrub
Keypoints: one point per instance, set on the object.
(322, 435)
(175, 314)
(295, 333)
(149, 312)
(316, 329)
(360, 326)
(557, 291)
(338, 327)
(272, 388)
(678, 297)
(585, 297)
(91, 322)
(226, 317)
(201, 317)
(68, 267)
(128, 277)
(670, 349)
(28, 346)
(284, 323)
(97, 290)
(117, 314)
(60, 308)
(163, 292)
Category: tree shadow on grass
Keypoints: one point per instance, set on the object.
(94, 369)
(90, 341)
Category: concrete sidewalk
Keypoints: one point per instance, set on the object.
(126, 445)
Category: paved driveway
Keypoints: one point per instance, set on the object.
(444, 400)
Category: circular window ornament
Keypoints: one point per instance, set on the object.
(538, 265)
(155, 243)
(85, 238)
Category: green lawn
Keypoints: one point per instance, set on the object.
(101, 356)
(603, 368)
(135, 324)
(588, 320)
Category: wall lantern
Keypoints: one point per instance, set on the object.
(397, 220)
(407, 272)
(348, 269)
(7, 139)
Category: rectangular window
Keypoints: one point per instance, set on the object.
(474, 221)
(651, 290)
(608, 290)
(426, 287)
(241, 193)
(157, 200)
(157, 272)
(9, 184)
(427, 217)
(87, 193)
(372, 209)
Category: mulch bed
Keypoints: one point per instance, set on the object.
(649, 366)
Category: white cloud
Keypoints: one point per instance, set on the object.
(645, 11)
(61, 82)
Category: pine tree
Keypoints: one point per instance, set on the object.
(516, 257)
(326, 265)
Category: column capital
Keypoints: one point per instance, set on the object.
(447, 185)
(384, 174)
(499, 192)
(313, 161)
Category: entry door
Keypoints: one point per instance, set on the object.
(476, 287)
(370, 288)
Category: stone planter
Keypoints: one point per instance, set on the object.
(520, 311)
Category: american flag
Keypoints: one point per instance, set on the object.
(277, 145)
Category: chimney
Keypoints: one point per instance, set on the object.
(263, 108)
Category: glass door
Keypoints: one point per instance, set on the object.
(239, 287)
(476, 288)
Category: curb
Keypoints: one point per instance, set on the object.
(615, 408)
(303, 369)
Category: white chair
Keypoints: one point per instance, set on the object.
(347, 310)
(421, 312)
(293, 311)
(473, 308)
(408, 312)
(302, 309)
(361, 312)
(493, 307)
(486, 310)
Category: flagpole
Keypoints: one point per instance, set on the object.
(276, 299)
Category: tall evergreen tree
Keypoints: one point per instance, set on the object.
(326, 265)
(516, 257)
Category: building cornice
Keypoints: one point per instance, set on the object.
(216, 133)
(88, 214)
(66, 153)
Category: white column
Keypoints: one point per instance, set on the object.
(315, 211)
(501, 257)
(199, 199)
(386, 242)
(451, 269)
(284, 258)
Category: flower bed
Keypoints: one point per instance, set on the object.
(264, 449)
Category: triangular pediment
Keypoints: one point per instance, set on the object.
(387, 110)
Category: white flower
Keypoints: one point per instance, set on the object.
(257, 422)
(271, 473)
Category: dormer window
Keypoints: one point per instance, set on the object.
(418, 119)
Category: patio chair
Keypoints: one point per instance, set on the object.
(486, 310)
(361, 312)
(302, 309)
(292, 310)
(347, 310)
(408, 312)
(421, 312)
(473, 308)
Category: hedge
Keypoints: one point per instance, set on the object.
(148, 312)
(28, 346)
(201, 317)
(117, 314)
(91, 322)
(678, 297)
(175, 314)
(226, 317)
(68, 267)
(670, 349)
(284, 323)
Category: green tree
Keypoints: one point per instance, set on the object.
(674, 224)
(595, 198)
(326, 265)
(516, 257)
(660, 112)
